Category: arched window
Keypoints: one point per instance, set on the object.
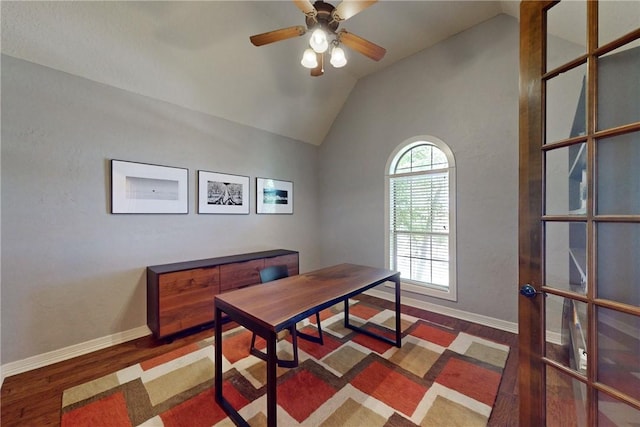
(420, 238)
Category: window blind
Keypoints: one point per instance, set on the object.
(420, 226)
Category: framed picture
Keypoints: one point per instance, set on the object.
(273, 196)
(221, 193)
(140, 188)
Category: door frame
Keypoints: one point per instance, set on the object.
(530, 310)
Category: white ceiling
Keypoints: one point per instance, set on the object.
(198, 55)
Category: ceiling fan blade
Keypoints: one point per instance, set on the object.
(349, 8)
(361, 45)
(277, 35)
(319, 70)
(305, 6)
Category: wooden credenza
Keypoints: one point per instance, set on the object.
(180, 295)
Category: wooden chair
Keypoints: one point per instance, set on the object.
(274, 273)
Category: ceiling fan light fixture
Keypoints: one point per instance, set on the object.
(338, 59)
(322, 21)
(309, 59)
(318, 41)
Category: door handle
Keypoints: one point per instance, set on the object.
(529, 291)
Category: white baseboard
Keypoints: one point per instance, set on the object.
(70, 352)
(503, 325)
(451, 312)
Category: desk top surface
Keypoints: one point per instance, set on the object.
(276, 303)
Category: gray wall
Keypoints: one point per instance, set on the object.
(71, 271)
(465, 92)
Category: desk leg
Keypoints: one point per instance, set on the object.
(398, 311)
(217, 381)
(272, 381)
(398, 338)
(346, 313)
(217, 359)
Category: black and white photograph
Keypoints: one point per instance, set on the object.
(220, 193)
(146, 188)
(274, 196)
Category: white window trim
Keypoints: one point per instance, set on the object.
(451, 293)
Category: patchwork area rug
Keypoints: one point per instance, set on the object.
(438, 378)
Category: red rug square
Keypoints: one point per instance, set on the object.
(363, 311)
(202, 410)
(434, 335)
(93, 414)
(236, 347)
(385, 384)
(374, 343)
(314, 349)
(475, 381)
(302, 394)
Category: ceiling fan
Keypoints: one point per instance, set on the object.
(323, 20)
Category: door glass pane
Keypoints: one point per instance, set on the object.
(618, 182)
(574, 334)
(565, 105)
(616, 18)
(566, 32)
(612, 412)
(618, 262)
(619, 351)
(565, 339)
(555, 338)
(556, 182)
(619, 88)
(566, 180)
(565, 258)
(566, 400)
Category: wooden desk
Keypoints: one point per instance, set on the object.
(274, 306)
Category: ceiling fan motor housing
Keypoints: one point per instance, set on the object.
(323, 18)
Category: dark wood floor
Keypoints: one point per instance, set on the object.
(34, 398)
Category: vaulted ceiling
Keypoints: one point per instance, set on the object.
(198, 55)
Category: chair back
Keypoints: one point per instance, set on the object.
(273, 272)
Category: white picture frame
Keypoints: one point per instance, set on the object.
(221, 193)
(142, 188)
(274, 196)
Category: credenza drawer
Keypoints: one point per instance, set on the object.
(177, 317)
(240, 274)
(186, 298)
(188, 281)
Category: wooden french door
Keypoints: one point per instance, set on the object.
(579, 213)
